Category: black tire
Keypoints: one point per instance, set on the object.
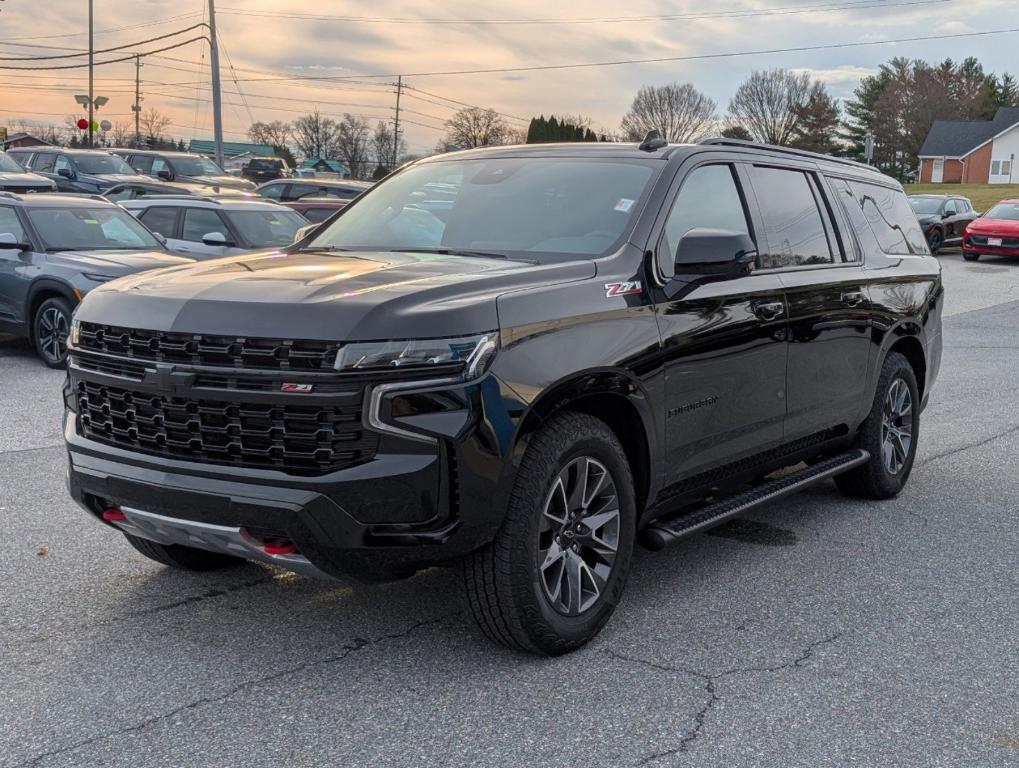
(507, 589)
(50, 328)
(970, 256)
(178, 556)
(890, 462)
(935, 240)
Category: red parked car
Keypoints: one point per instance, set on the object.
(996, 233)
(317, 209)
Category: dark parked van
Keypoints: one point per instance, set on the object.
(584, 346)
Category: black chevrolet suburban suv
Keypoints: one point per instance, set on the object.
(572, 349)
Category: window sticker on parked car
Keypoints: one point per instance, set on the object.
(624, 205)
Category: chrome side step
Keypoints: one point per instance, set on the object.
(663, 532)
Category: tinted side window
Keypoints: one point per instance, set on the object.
(318, 215)
(297, 191)
(44, 163)
(962, 205)
(161, 219)
(159, 164)
(273, 191)
(10, 225)
(141, 163)
(120, 193)
(793, 223)
(61, 164)
(709, 198)
(951, 208)
(199, 222)
(890, 217)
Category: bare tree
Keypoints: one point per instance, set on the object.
(769, 104)
(314, 135)
(122, 134)
(275, 134)
(385, 150)
(476, 127)
(154, 123)
(678, 111)
(351, 144)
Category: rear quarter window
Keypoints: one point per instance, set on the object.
(889, 217)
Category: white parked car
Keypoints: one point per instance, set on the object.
(207, 227)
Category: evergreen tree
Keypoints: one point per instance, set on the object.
(553, 130)
(817, 123)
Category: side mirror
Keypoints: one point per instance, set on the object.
(216, 238)
(9, 242)
(67, 173)
(160, 237)
(165, 175)
(715, 252)
(947, 214)
(304, 231)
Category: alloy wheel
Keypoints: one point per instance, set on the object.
(579, 536)
(896, 426)
(52, 332)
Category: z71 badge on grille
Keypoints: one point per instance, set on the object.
(622, 289)
(298, 389)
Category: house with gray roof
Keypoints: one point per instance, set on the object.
(972, 151)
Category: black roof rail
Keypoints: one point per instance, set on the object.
(723, 142)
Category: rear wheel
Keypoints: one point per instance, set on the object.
(177, 556)
(889, 434)
(50, 329)
(556, 570)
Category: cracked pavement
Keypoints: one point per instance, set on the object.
(816, 632)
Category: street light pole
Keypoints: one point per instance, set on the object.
(217, 98)
(91, 67)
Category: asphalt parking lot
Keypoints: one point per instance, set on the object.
(818, 632)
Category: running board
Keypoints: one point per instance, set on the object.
(663, 532)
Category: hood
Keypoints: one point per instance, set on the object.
(13, 179)
(362, 296)
(116, 263)
(116, 178)
(984, 226)
(231, 182)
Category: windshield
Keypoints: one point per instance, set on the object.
(91, 229)
(531, 207)
(1008, 211)
(103, 164)
(7, 164)
(926, 205)
(195, 166)
(265, 229)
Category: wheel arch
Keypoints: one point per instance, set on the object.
(910, 347)
(615, 398)
(41, 290)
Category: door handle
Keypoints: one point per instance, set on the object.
(853, 298)
(769, 310)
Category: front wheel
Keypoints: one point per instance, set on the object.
(970, 256)
(889, 434)
(556, 570)
(935, 241)
(50, 329)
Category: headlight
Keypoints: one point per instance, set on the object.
(465, 356)
(75, 334)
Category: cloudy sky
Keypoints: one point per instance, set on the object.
(275, 48)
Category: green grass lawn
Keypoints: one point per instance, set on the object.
(983, 196)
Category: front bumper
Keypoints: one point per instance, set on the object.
(415, 504)
(988, 250)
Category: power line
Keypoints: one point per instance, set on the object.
(106, 50)
(108, 61)
(106, 31)
(838, 5)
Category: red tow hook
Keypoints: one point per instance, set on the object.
(277, 547)
(113, 515)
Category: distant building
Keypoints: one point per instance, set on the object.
(231, 148)
(24, 140)
(972, 151)
(317, 166)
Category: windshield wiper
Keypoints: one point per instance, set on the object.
(321, 249)
(453, 252)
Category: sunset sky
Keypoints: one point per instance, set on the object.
(272, 55)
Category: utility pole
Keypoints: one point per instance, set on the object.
(91, 67)
(217, 98)
(137, 108)
(396, 123)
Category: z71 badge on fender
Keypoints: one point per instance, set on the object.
(622, 289)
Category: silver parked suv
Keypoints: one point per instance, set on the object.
(207, 227)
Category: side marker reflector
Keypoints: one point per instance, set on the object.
(279, 548)
(113, 515)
